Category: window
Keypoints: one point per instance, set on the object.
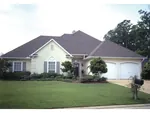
(51, 67)
(17, 66)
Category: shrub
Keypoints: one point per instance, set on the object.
(23, 76)
(67, 66)
(70, 76)
(87, 78)
(58, 78)
(97, 65)
(4, 66)
(67, 80)
(95, 78)
(45, 75)
(103, 79)
(146, 71)
(45, 79)
(35, 76)
(15, 75)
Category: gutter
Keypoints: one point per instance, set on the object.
(115, 57)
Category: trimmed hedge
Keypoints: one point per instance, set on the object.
(15, 75)
(90, 78)
(24, 76)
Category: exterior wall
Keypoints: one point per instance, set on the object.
(45, 54)
(86, 64)
(118, 62)
(28, 63)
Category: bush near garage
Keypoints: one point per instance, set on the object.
(146, 71)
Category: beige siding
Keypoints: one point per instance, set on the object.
(118, 61)
(45, 54)
(28, 64)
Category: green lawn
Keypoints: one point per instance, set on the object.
(51, 94)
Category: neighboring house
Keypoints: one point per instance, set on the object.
(46, 53)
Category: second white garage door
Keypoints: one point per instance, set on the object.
(129, 69)
(112, 71)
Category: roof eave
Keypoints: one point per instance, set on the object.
(89, 57)
(15, 57)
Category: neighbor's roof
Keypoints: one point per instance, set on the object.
(77, 43)
(110, 49)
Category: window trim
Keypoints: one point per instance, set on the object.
(14, 65)
(48, 65)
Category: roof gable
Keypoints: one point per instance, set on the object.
(51, 40)
(28, 48)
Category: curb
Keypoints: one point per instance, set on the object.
(113, 106)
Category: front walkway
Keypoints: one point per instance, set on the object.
(145, 88)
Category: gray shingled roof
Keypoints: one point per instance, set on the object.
(28, 48)
(111, 49)
(77, 43)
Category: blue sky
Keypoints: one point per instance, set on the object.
(20, 23)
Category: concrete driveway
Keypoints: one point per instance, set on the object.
(145, 88)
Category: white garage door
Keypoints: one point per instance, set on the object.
(112, 71)
(129, 69)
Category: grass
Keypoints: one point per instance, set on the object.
(53, 94)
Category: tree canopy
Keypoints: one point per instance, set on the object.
(146, 71)
(134, 37)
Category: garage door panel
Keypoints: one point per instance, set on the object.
(112, 71)
(129, 69)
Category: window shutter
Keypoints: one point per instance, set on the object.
(24, 66)
(58, 67)
(11, 67)
(45, 67)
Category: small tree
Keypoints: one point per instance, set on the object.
(98, 66)
(4, 65)
(67, 66)
(146, 71)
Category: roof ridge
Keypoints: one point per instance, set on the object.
(48, 36)
(95, 49)
(79, 31)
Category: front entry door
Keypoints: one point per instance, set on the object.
(76, 72)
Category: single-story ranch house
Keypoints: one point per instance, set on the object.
(46, 53)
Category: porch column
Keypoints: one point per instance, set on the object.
(80, 68)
